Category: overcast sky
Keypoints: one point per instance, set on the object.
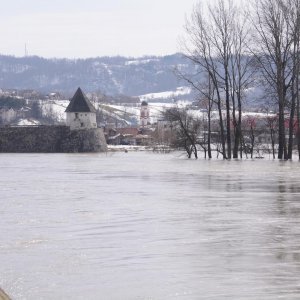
(89, 28)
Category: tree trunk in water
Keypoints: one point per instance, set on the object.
(273, 143)
(222, 131)
(237, 139)
(209, 134)
(297, 92)
(298, 128)
(195, 151)
(281, 134)
(228, 131)
(291, 126)
(298, 116)
(294, 90)
(188, 150)
(252, 141)
(236, 134)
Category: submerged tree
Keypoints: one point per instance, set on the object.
(277, 53)
(186, 129)
(216, 43)
(272, 125)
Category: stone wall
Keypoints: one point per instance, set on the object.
(51, 139)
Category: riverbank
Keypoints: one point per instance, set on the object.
(3, 295)
(127, 148)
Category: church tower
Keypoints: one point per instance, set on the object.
(144, 114)
(81, 114)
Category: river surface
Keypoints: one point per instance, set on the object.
(148, 226)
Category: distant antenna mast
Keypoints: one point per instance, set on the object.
(26, 51)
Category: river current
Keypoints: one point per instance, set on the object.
(141, 225)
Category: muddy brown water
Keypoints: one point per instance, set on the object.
(148, 226)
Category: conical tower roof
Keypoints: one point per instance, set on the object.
(80, 103)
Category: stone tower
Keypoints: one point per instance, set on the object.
(81, 114)
(144, 114)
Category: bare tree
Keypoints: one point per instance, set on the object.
(248, 139)
(272, 124)
(276, 40)
(241, 75)
(292, 9)
(208, 104)
(186, 129)
(217, 37)
(201, 51)
(223, 17)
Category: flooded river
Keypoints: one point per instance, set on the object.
(148, 226)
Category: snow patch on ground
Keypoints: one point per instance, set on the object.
(156, 110)
(55, 108)
(140, 61)
(180, 91)
(114, 80)
(126, 148)
(28, 122)
(257, 114)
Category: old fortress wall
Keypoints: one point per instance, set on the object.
(51, 139)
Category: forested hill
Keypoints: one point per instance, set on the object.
(110, 75)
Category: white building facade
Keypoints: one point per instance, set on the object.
(81, 120)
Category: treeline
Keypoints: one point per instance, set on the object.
(7, 102)
(182, 130)
(235, 48)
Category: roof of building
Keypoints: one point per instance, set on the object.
(128, 130)
(80, 103)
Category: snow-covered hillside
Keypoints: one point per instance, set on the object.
(127, 114)
(110, 75)
(171, 95)
(53, 111)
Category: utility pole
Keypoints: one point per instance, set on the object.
(26, 51)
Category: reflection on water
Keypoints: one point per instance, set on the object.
(148, 226)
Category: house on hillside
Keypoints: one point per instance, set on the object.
(54, 96)
(7, 115)
(144, 140)
(122, 136)
(81, 114)
(30, 94)
(128, 136)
